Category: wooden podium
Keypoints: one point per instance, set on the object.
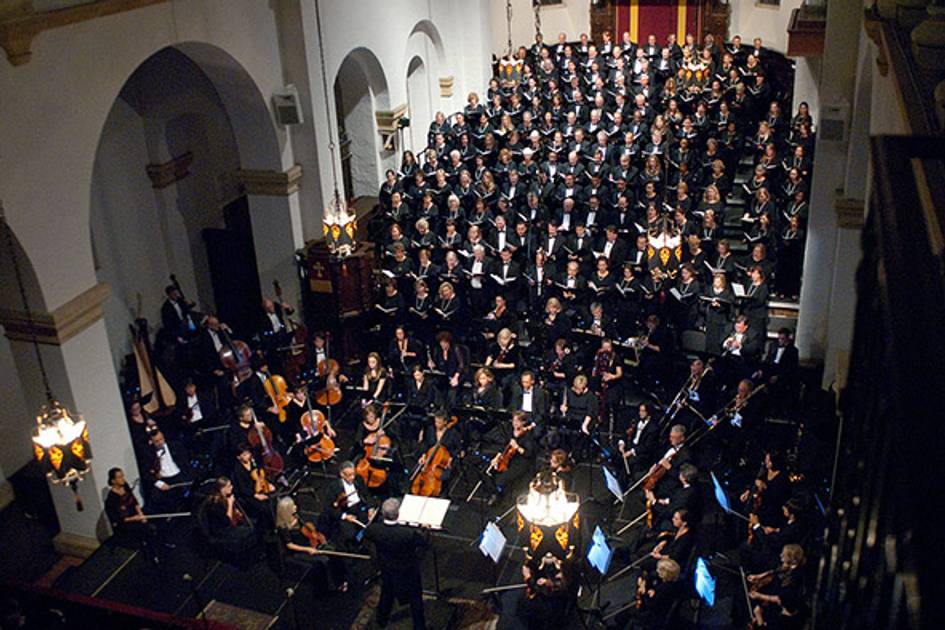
(339, 295)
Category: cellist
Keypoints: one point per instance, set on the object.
(438, 436)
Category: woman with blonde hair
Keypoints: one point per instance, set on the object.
(302, 547)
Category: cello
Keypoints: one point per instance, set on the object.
(315, 423)
(261, 439)
(329, 395)
(376, 448)
(428, 479)
(277, 391)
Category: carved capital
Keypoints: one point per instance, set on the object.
(61, 325)
(446, 86)
(170, 172)
(850, 213)
(271, 183)
(387, 123)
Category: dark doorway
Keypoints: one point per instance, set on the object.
(232, 260)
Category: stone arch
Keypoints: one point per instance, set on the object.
(429, 29)
(419, 102)
(360, 91)
(196, 114)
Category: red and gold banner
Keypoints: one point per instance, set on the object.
(658, 17)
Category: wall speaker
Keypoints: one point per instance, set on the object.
(287, 106)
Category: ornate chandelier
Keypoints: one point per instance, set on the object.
(339, 222)
(60, 439)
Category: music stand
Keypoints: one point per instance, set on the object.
(492, 542)
(722, 498)
(427, 512)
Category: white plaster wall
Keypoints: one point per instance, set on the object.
(751, 20)
(572, 17)
(15, 420)
(418, 99)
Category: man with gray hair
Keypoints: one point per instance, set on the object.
(398, 556)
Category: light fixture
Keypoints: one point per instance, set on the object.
(339, 222)
(61, 438)
(551, 515)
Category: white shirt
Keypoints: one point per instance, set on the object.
(168, 468)
(527, 400)
(217, 342)
(609, 245)
(670, 453)
(777, 355)
(500, 241)
(194, 405)
(739, 337)
(565, 222)
(351, 492)
(274, 322)
(641, 424)
(551, 245)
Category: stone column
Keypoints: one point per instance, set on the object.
(76, 355)
(836, 90)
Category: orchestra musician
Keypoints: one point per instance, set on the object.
(778, 595)
(226, 524)
(302, 542)
(129, 522)
(439, 435)
(656, 595)
(686, 496)
(527, 396)
(676, 545)
(348, 507)
(170, 474)
(520, 451)
(642, 444)
(579, 409)
(251, 487)
(196, 408)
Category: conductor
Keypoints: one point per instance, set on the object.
(398, 558)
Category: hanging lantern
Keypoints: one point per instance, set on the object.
(61, 443)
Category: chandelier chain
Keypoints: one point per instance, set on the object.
(8, 235)
(331, 135)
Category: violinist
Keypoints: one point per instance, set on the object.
(671, 461)
(252, 488)
(302, 542)
(129, 523)
(349, 507)
(767, 541)
(548, 590)
(519, 453)
(227, 525)
(778, 596)
(559, 368)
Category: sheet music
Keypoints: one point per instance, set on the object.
(417, 510)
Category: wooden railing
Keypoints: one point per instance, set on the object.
(884, 546)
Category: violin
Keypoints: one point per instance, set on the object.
(314, 423)
(277, 390)
(261, 438)
(505, 457)
(376, 448)
(315, 538)
(428, 480)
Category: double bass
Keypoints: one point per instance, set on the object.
(428, 479)
(295, 353)
(235, 356)
(314, 423)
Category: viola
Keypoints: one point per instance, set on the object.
(263, 486)
(261, 438)
(315, 538)
(505, 458)
(428, 481)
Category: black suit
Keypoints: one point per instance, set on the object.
(338, 529)
(399, 560)
(539, 401)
